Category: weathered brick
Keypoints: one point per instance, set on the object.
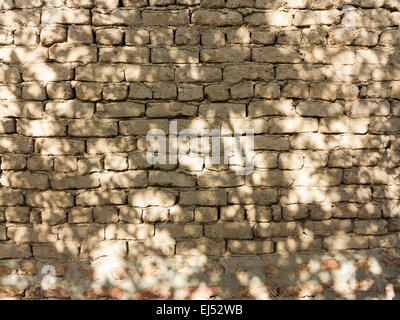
(218, 197)
(227, 54)
(124, 54)
(100, 72)
(25, 180)
(216, 18)
(272, 18)
(174, 55)
(151, 197)
(198, 247)
(170, 18)
(15, 251)
(127, 179)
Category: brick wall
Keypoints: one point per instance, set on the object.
(83, 81)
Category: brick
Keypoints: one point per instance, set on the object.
(229, 230)
(162, 37)
(38, 233)
(53, 216)
(334, 55)
(70, 109)
(50, 35)
(274, 229)
(293, 245)
(170, 179)
(227, 54)
(66, 16)
(56, 250)
(174, 55)
(60, 181)
(213, 38)
(260, 178)
(292, 125)
(17, 214)
(41, 128)
(198, 74)
(139, 91)
(15, 144)
(275, 55)
(276, 143)
(199, 247)
(206, 214)
(26, 36)
(247, 247)
(80, 215)
(343, 242)
(25, 180)
(137, 37)
(124, 54)
(100, 72)
(119, 109)
(187, 36)
(271, 108)
(219, 179)
(105, 214)
(263, 37)
(370, 227)
(180, 214)
(323, 17)
(18, 18)
(216, 18)
(190, 92)
(232, 213)
(294, 212)
(116, 163)
(110, 36)
(13, 162)
(258, 213)
(47, 72)
(110, 145)
(149, 73)
(179, 231)
(107, 248)
(170, 18)
(129, 231)
(141, 127)
(222, 110)
(93, 128)
(99, 198)
(151, 197)
(33, 91)
(273, 19)
(366, 176)
(127, 179)
(50, 199)
(15, 251)
(328, 227)
(203, 198)
(48, 146)
(80, 35)
(322, 109)
(60, 90)
(66, 53)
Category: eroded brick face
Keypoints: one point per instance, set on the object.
(83, 81)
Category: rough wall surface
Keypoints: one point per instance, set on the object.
(83, 81)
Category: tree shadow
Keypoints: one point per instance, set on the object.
(317, 218)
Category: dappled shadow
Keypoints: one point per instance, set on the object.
(316, 218)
